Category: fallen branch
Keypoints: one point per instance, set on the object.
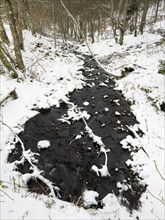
(11, 93)
(6, 194)
(158, 170)
(84, 38)
(156, 197)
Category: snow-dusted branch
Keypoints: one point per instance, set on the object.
(96, 139)
(29, 156)
(75, 114)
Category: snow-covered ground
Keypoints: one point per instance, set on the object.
(51, 75)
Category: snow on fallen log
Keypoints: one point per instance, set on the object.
(10, 93)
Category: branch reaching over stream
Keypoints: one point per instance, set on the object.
(87, 44)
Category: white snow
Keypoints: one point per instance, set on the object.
(74, 113)
(89, 198)
(117, 113)
(43, 144)
(48, 80)
(86, 103)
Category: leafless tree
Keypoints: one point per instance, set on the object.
(16, 32)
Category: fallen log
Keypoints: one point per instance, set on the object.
(10, 93)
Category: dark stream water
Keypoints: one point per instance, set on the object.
(67, 162)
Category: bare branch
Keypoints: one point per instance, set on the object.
(158, 170)
(156, 197)
(6, 194)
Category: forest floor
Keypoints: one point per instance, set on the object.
(81, 113)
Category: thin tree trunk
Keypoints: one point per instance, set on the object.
(123, 24)
(6, 53)
(144, 15)
(156, 12)
(54, 23)
(7, 64)
(136, 19)
(19, 22)
(15, 35)
(26, 18)
(122, 32)
(81, 29)
(3, 34)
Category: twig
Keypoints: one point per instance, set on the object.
(36, 61)
(158, 170)
(146, 125)
(22, 145)
(139, 66)
(25, 214)
(156, 197)
(6, 194)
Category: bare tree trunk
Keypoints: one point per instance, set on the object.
(6, 53)
(135, 25)
(15, 35)
(92, 31)
(123, 23)
(113, 22)
(19, 22)
(54, 22)
(3, 34)
(144, 15)
(7, 64)
(81, 29)
(26, 18)
(156, 12)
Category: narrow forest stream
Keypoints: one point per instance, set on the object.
(67, 162)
